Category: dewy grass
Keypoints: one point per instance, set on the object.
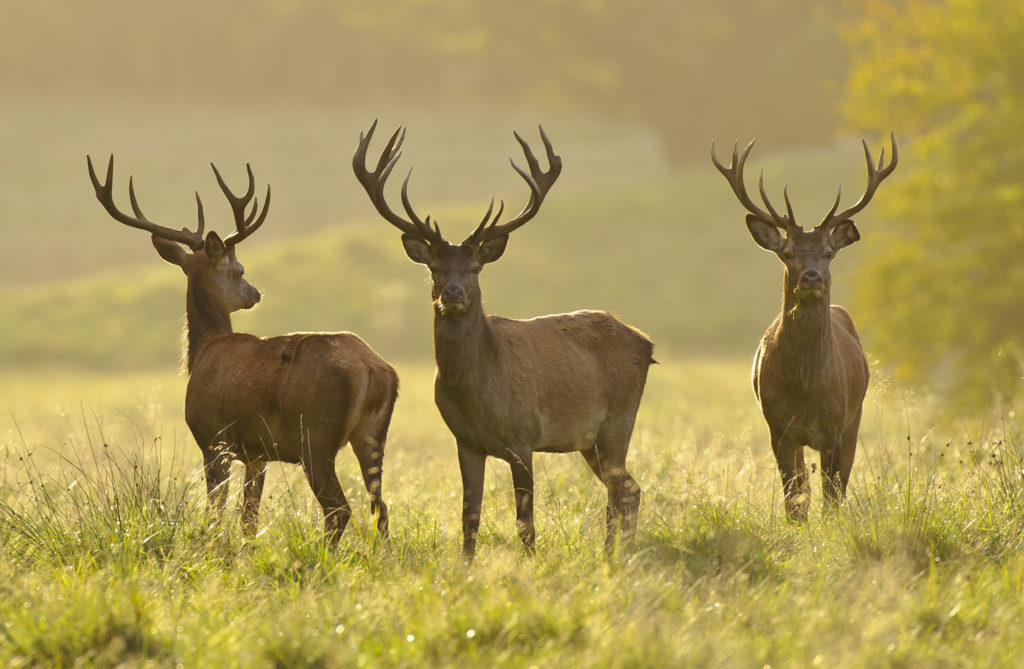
(108, 557)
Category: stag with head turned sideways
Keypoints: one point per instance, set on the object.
(294, 398)
(508, 388)
(810, 374)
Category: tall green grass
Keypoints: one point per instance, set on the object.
(108, 556)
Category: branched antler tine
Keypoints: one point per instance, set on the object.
(486, 219)
(501, 210)
(135, 203)
(530, 181)
(245, 224)
(393, 148)
(734, 175)
(378, 185)
(764, 197)
(548, 148)
(531, 160)
(875, 177)
(540, 183)
(789, 205)
(202, 219)
(835, 205)
(105, 195)
(408, 205)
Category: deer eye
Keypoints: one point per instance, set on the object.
(475, 270)
(829, 255)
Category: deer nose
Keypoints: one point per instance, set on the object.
(811, 277)
(453, 294)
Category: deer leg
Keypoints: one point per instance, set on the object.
(216, 467)
(370, 453)
(522, 480)
(471, 465)
(795, 485)
(252, 492)
(837, 464)
(323, 480)
(611, 448)
(592, 459)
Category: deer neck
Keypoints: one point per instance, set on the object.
(464, 348)
(206, 317)
(805, 335)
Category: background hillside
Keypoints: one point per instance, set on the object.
(639, 223)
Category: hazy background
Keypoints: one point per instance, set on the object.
(631, 95)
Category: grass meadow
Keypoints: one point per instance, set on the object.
(107, 556)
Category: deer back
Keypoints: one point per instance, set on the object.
(269, 395)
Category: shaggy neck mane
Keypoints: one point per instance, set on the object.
(206, 317)
(463, 347)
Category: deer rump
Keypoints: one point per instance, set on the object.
(552, 385)
(280, 397)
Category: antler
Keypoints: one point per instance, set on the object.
(540, 183)
(373, 183)
(734, 175)
(875, 176)
(244, 225)
(104, 193)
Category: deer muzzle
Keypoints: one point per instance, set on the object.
(810, 286)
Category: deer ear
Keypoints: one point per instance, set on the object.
(843, 235)
(492, 249)
(764, 233)
(170, 251)
(214, 247)
(417, 250)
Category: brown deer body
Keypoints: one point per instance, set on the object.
(810, 374)
(509, 388)
(295, 398)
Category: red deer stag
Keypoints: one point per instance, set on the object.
(809, 373)
(294, 398)
(508, 388)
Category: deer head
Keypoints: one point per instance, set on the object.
(807, 255)
(209, 262)
(454, 268)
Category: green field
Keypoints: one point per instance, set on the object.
(108, 558)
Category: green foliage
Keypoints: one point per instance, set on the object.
(941, 298)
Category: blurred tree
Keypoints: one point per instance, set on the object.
(688, 69)
(942, 297)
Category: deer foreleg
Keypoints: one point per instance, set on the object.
(216, 467)
(471, 464)
(795, 485)
(252, 492)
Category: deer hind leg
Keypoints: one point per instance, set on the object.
(323, 480)
(607, 459)
(796, 485)
(471, 466)
(369, 449)
(624, 492)
(252, 492)
(216, 467)
(522, 480)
